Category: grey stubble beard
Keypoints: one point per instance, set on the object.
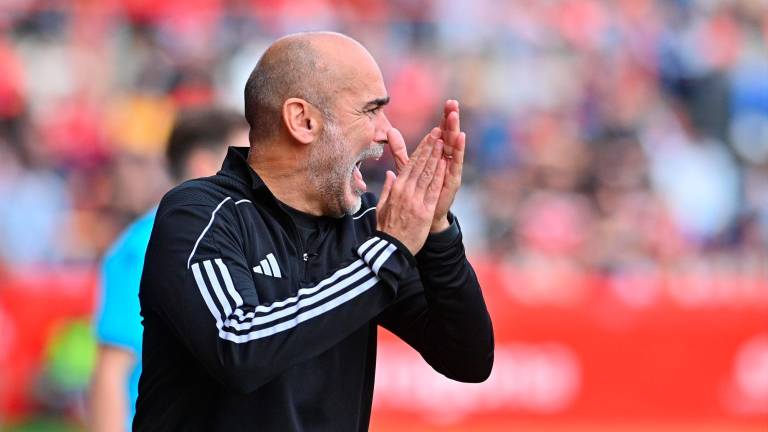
(329, 170)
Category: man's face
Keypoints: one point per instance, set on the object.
(357, 131)
(335, 166)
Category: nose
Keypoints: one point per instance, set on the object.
(382, 126)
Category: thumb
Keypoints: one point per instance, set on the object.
(388, 182)
(396, 145)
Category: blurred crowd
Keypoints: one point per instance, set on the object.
(606, 135)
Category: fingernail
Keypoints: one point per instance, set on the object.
(435, 133)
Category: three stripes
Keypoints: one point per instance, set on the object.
(239, 323)
(268, 266)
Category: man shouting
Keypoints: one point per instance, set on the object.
(263, 285)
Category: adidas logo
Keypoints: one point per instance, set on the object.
(268, 266)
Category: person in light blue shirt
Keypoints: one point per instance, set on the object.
(196, 147)
(118, 327)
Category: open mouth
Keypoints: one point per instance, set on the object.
(358, 184)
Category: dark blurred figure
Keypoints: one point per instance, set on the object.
(196, 147)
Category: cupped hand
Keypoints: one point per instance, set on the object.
(455, 143)
(407, 204)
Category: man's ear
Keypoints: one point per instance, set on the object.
(302, 120)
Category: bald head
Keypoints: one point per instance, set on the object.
(310, 66)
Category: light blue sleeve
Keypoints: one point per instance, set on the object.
(118, 321)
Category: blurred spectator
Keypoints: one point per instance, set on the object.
(196, 147)
(542, 85)
(32, 197)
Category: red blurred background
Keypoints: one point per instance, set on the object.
(615, 203)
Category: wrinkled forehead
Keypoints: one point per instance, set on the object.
(357, 74)
(365, 84)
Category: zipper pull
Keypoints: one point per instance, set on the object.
(305, 257)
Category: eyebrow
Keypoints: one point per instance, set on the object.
(375, 103)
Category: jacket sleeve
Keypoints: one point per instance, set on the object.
(198, 280)
(441, 313)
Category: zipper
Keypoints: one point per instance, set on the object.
(306, 257)
(300, 249)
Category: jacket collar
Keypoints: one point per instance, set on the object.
(236, 164)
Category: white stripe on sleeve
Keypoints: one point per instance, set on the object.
(363, 247)
(302, 303)
(228, 283)
(303, 291)
(348, 282)
(300, 318)
(217, 288)
(372, 252)
(383, 257)
(206, 295)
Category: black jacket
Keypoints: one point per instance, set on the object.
(250, 324)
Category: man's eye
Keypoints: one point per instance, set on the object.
(373, 111)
